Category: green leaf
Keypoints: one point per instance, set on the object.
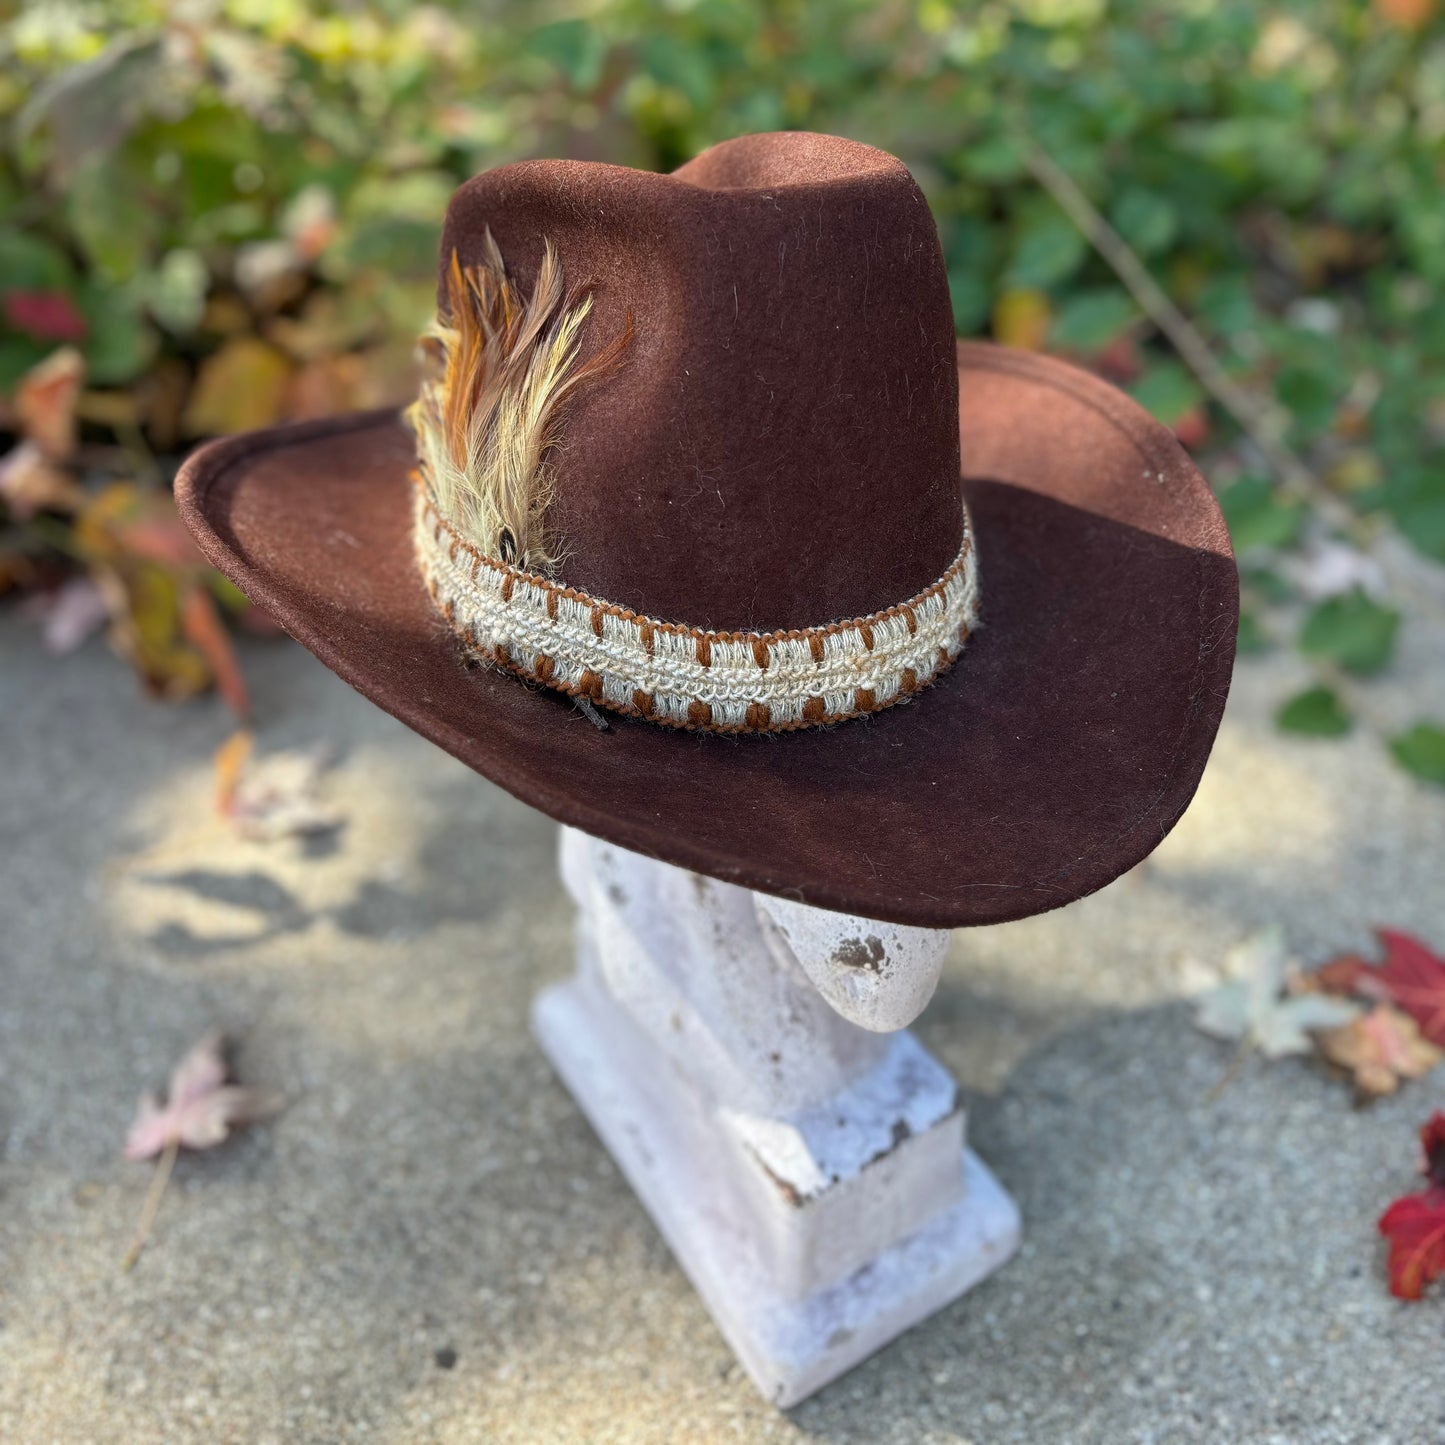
(576, 47)
(1421, 751)
(1353, 631)
(1317, 713)
(17, 355)
(972, 300)
(1089, 321)
(419, 196)
(1145, 220)
(1047, 250)
(120, 344)
(110, 217)
(1308, 395)
(1256, 518)
(29, 264)
(684, 67)
(1264, 580)
(1226, 306)
(1168, 391)
(997, 159)
(1423, 522)
(89, 108)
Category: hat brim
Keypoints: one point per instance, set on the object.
(1056, 754)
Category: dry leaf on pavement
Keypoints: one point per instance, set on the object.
(199, 1113)
(201, 1108)
(1415, 1223)
(1380, 1049)
(1411, 976)
(1252, 1007)
(280, 796)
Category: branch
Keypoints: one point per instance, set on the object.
(1261, 421)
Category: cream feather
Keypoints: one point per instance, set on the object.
(489, 414)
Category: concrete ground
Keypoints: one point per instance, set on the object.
(430, 1246)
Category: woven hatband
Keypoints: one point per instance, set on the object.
(688, 677)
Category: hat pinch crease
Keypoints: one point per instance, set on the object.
(688, 677)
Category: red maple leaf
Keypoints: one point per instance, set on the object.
(1415, 1223)
(1412, 978)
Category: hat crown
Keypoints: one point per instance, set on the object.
(779, 444)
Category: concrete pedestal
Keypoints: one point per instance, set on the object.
(808, 1173)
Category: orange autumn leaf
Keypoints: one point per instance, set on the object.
(202, 627)
(230, 760)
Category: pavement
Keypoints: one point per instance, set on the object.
(429, 1245)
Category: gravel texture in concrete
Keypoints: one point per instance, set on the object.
(430, 1246)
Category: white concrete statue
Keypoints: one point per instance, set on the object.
(746, 1062)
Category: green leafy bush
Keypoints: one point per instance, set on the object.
(232, 206)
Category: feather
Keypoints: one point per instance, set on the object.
(500, 367)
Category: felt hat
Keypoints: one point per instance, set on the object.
(933, 633)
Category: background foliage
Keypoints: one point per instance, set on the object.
(230, 208)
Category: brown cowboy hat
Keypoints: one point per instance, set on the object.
(741, 530)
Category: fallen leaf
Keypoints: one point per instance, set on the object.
(1415, 1223)
(1412, 978)
(201, 1108)
(45, 402)
(278, 797)
(229, 761)
(1252, 1008)
(199, 1113)
(1340, 976)
(1380, 1049)
(1420, 750)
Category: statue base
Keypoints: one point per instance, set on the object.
(808, 1263)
